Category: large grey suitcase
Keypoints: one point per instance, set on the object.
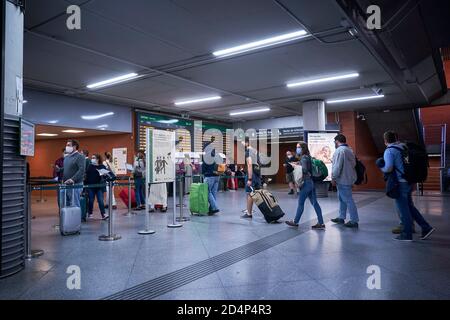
(69, 217)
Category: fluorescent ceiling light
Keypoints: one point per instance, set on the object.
(181, 103)
(47, 134)
(53, 121)
(97, 116)
(24, 101)
(112, 81)
(103, 126)
(355, 99)
(249, 111)
(261, 43)
(319, 80)
(171, 121)
(73, 131)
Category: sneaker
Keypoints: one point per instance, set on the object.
(427, 233)
(151, 210)
(403, 238)
(291, 192)
(397, 230)
(318, 227)
(105, 217)
(90, 216)
(338, 220)
(291, 223)
(351, 224)
(164, 209)
(114, 207)
(247, 216)
(212, 212)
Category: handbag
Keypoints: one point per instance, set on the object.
(298, 176)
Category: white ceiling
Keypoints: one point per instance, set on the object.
(170, 41)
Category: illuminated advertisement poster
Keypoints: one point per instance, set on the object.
(26, 138)
(120, 160)
(321, 146)
(161, 158)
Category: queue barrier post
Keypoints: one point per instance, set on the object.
(111, 236)
(174, 223)
(181, 218)
(147, 229)
(30, 254)
(130, 211)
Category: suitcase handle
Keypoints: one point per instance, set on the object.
(65, 196)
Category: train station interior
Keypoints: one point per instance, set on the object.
(135, 94)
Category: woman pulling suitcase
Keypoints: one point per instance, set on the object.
(307, 188)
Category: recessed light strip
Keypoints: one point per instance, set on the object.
(73, 131)
(355, 99)
(261, 43)
(97, 116)
(47, 134)
(181, 103)
(319, 80)
(112, 81)
(237, 113)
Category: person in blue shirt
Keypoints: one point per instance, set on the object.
(393, 164)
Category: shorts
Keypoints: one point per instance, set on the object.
(290, 177)
(256, 184)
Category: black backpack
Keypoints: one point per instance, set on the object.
(415, 162)
(361, 175)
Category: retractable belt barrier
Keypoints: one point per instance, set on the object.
(41, 184)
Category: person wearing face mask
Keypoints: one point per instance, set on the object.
(139, 180)
(307, 189)
(108, 163)
(289, 171)
(343, 174)
(93, 177)
(73, 172)
(253, 179)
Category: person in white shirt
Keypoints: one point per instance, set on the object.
(108, 163)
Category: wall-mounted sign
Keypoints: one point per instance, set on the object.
(120, 160)
(27, 132)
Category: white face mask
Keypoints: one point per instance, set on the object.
(69, 149)
(94, 162)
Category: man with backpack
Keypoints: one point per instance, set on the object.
(407, 165)
(344, 175)
(253, 179)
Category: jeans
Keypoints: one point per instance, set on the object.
(346, 202)
(308, 191)
(76, 193)
(408, 212)
(139, 188)
(96, 192)
(213, 187)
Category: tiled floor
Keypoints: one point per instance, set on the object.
(329, 264)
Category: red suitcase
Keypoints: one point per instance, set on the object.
(124, 196)
(230, 186)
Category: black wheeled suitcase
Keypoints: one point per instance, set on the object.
(267, 204)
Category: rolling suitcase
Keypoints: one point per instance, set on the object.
(267, 204)
(198, 199)
(124, 196)
(69, 217)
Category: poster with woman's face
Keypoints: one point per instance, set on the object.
(321, 145)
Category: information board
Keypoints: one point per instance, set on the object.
(160, 154)
(120, 160)
(321, 146)
(26, 138)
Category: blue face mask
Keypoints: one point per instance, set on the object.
(299, 151)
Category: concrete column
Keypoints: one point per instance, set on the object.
(314, 116)
(13, 58)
